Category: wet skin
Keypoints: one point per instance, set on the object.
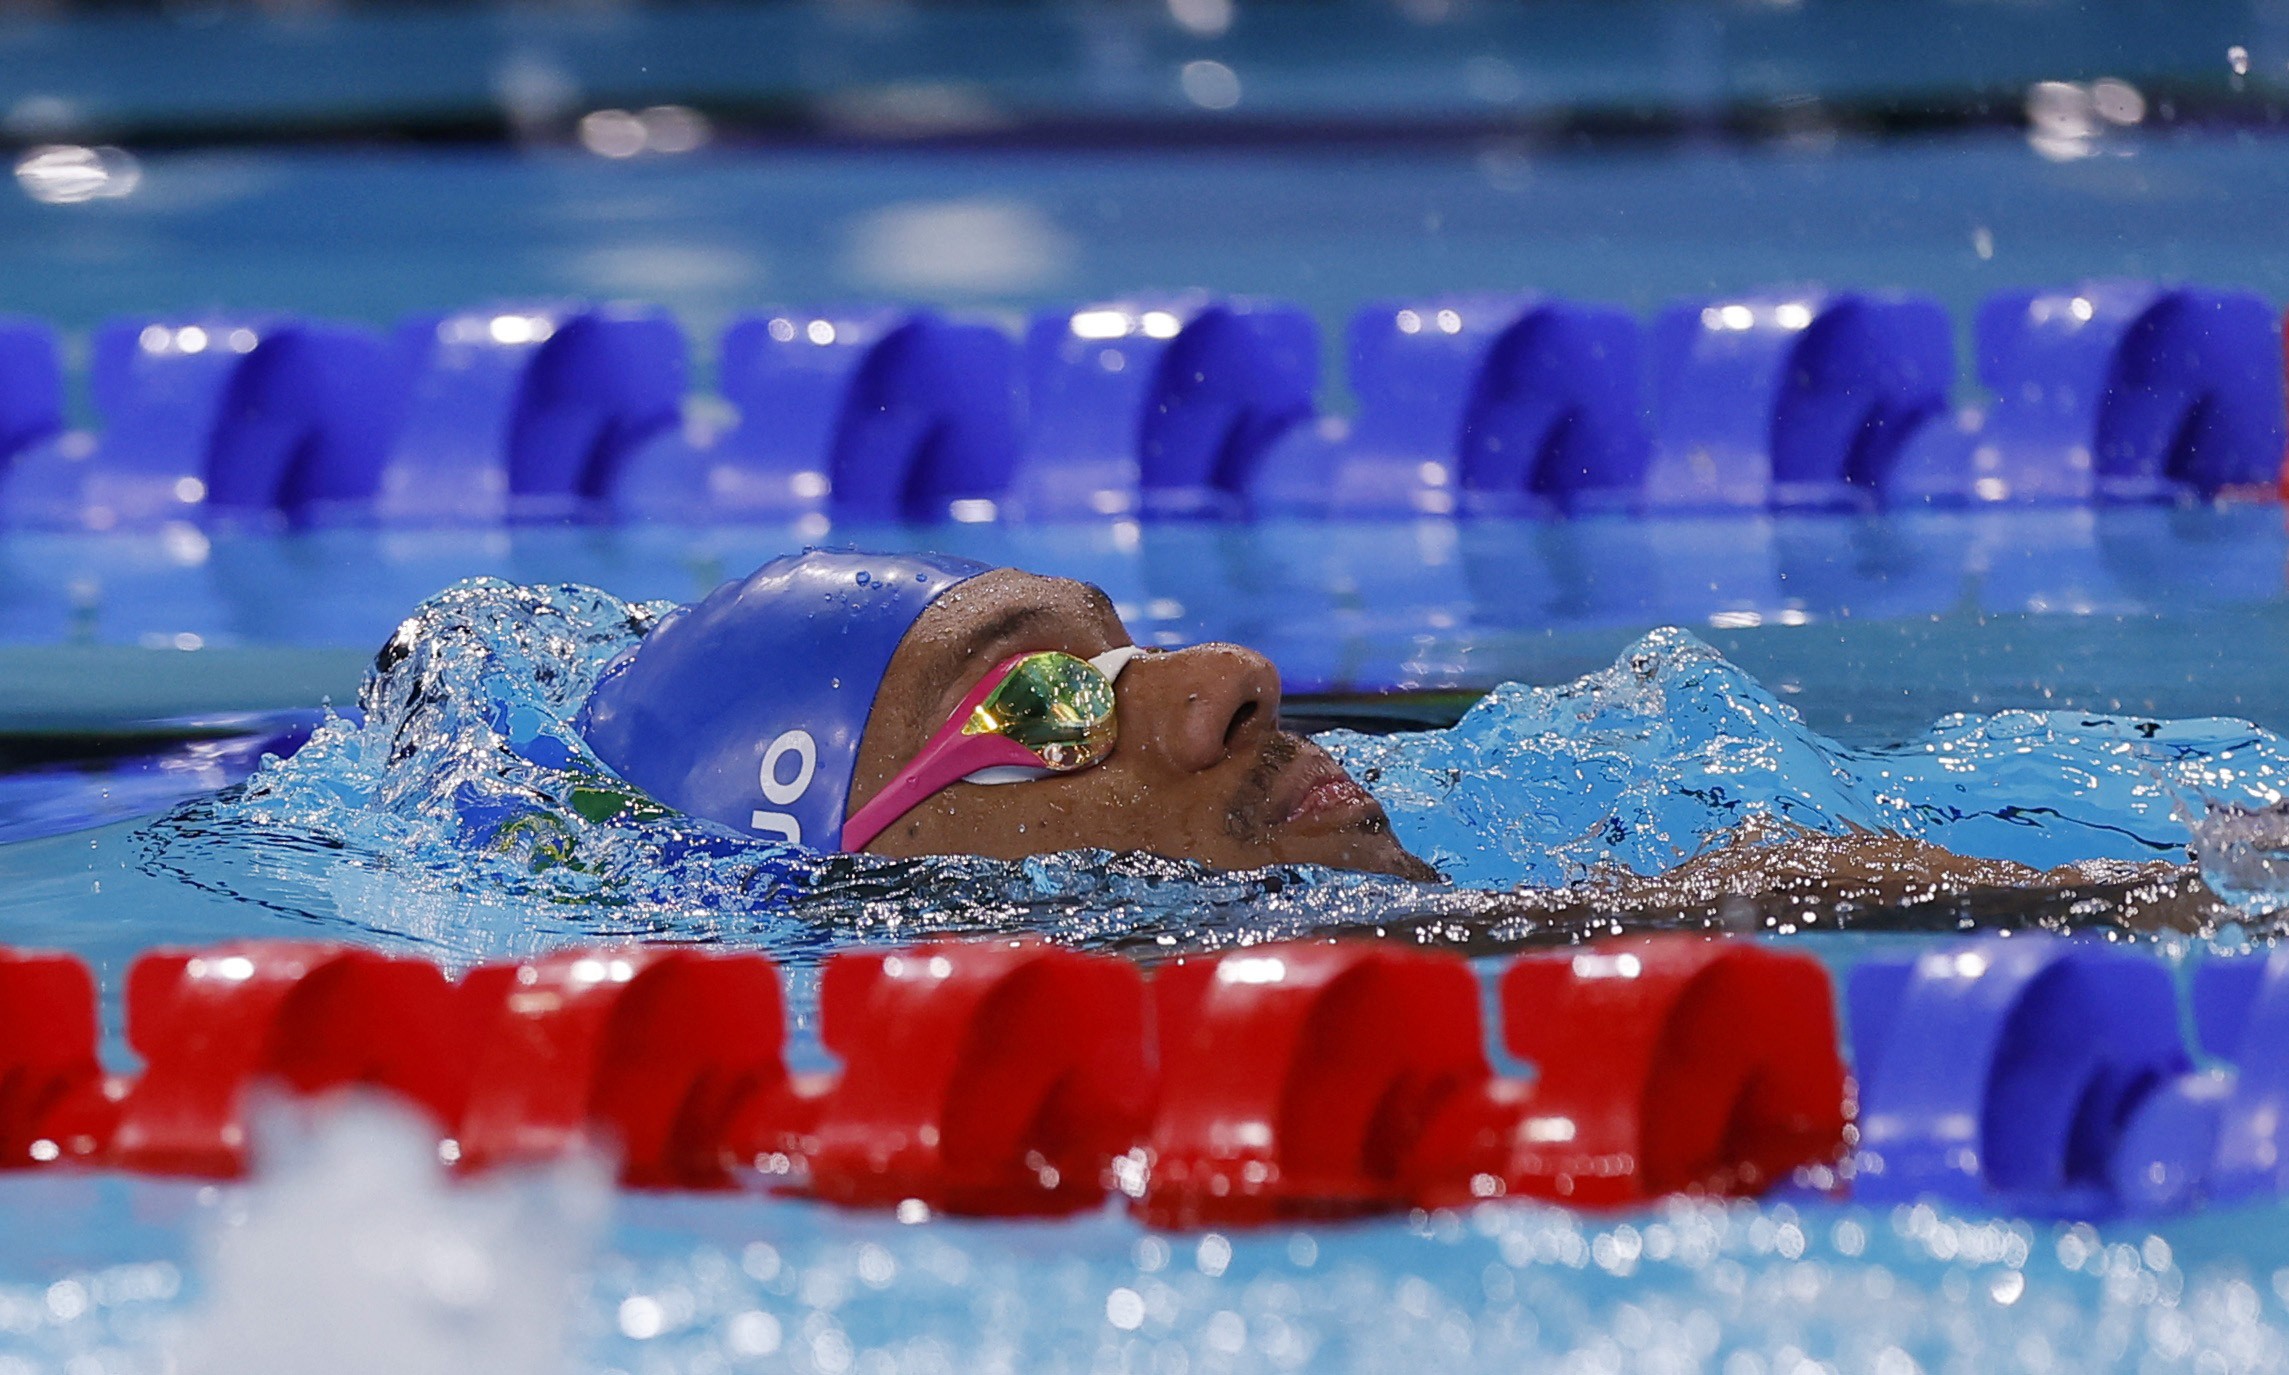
(1201, 769)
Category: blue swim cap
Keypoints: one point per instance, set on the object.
(747, 707)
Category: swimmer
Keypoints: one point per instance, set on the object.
(917, 704)
(909, 705)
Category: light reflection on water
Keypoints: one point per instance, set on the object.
(711, 1284)
(1872, 628)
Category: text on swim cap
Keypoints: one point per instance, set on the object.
(785, 794)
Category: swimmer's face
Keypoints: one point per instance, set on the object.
(1202, 769)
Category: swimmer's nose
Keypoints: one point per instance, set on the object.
(1197, 706)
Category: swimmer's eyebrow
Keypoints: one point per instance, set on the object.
(948, 668)
(1001, 629)
(1100, 603)
(1019, 621)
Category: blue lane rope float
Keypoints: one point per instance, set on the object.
(2000, 1073)
(1163, 407)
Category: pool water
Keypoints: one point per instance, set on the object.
(1871, 628)
(1805, 678)
(1650, 687)
(376, 233)
(712, 1284)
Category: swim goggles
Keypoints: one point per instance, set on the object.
(1033, 716)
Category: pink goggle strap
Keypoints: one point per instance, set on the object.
(951, 757)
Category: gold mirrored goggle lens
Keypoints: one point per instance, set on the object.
(1057, 706)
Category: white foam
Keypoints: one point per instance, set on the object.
(354, 1252)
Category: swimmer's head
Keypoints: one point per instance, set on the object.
(749, 706)
(786, 704)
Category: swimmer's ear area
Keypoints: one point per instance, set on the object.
(540, 821)
(547, 839)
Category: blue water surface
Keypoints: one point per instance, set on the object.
(2109, 660)
(459, 816)
(1871, 626)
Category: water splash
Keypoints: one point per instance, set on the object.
(465, 816)
(354, 1252)
(2244, 855)
(1644, 764)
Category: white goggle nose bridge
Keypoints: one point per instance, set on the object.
(1112, 661)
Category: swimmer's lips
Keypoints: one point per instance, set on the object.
(1317, 795)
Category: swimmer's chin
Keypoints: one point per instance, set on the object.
(1362, 844)
(1401, 864)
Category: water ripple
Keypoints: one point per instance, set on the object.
(463, 815)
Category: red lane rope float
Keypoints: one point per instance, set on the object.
(302, 1016)
(988, 1078)
(643, 1051)
(1007, 1078)
(52, 1100)
(1295, 1078)
(1666, 1065)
